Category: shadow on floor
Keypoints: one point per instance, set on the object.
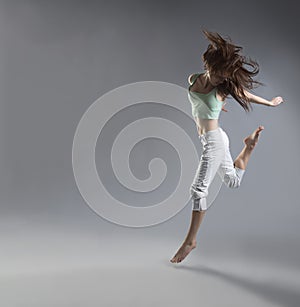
(271, 291)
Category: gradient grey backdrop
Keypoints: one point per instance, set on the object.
(56, 59)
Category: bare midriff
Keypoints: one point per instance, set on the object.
(205, 125)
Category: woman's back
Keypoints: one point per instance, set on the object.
(197, 91)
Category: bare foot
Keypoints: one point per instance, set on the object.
(183, 251)
(252, 139)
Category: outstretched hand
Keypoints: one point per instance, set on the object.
(276, 101)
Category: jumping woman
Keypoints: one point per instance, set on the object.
(224, 74)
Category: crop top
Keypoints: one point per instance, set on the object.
(204, 105)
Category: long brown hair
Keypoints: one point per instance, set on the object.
(222, 57)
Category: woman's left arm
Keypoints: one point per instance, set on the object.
(256, 99)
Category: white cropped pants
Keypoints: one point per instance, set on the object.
(216, 158)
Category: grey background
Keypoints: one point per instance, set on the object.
(56, 59)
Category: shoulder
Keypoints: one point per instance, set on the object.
(192, 78)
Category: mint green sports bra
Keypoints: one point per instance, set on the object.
(205, 106)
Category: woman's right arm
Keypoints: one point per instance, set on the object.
(259, 100)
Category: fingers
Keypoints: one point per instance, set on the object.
(276, 101)
(223, 109)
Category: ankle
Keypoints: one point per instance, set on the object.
(190, 242)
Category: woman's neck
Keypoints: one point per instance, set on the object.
(204, 78)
